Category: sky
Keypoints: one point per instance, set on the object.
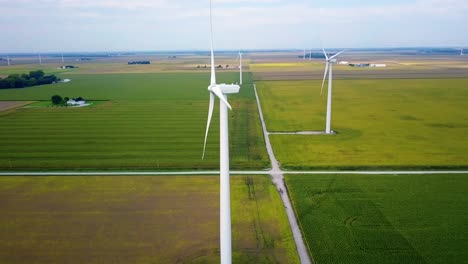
(166, 25)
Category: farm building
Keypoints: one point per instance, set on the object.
(72, 102)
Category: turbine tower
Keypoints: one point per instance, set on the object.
(63, 61)
(310, 54)
(329, 69)
(240, 67)
(8, 60)
(40, 59)
(221, 91)
(303, 58)
(461, 52)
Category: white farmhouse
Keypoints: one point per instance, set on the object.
(379, 65)
(76, 103)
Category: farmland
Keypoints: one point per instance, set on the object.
(380, 123)
(150, 121)
(383, 219)
(137, 219)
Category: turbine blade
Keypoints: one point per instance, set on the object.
(336, 55)
(213, 73)
(217, 91)
(325, 53)
(210, 114)
(324, 77)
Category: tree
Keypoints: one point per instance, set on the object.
(56, 99)
(36, 74)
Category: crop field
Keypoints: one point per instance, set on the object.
(151, 121)
(12, 104)
(120, 65)
(137, 219)
(383, 219)
(380, 123)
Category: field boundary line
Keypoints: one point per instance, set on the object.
(181, 173)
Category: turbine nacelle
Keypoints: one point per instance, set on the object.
(332, 61)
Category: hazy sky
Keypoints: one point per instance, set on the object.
(119, 25)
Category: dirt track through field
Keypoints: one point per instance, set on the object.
(6, 105)
(278, 179)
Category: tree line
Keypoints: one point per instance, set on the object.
(34, 78)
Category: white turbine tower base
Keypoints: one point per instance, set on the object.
(220, 91)
(329, 69)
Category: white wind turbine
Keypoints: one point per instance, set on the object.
(329, 69)
(40, 59)
(303, 58)
(220, 91)
(8, 60)
(239, 56)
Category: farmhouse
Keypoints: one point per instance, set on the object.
(78, 102)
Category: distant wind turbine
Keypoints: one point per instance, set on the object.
(40, 59)
(63, 61)
(239, 56)
(220, 91)
(461, 52)
(303, 58)
(8, 60)
(329, 69)
(310, 54)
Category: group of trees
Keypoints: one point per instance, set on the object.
(138, 62)
(58, 100)
(26, 80)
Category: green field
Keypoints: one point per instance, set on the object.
(380, 123)
(137, 219)
(151, 121)
(383, 218)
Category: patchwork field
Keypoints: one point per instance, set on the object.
(151, 121)
(139, 220)
(383, 219)
(380, 123)
(6, 105)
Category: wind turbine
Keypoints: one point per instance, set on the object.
(40, 59)
(461, 52)
(240, 67)
(8, 60)
(303, 58)
(310, 54)
(329, 69)
(221, 91)
(63, 61)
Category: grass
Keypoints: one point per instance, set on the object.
(152, 121)
(137, 219)
(389, 123)
(45, 104)
(382, 219)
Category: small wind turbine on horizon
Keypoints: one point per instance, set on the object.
(221, 91)
(8, 60)
(310, 54)
(63, 61)
(40, 59)
(303, 58)
(329, 69)
(239, 57)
